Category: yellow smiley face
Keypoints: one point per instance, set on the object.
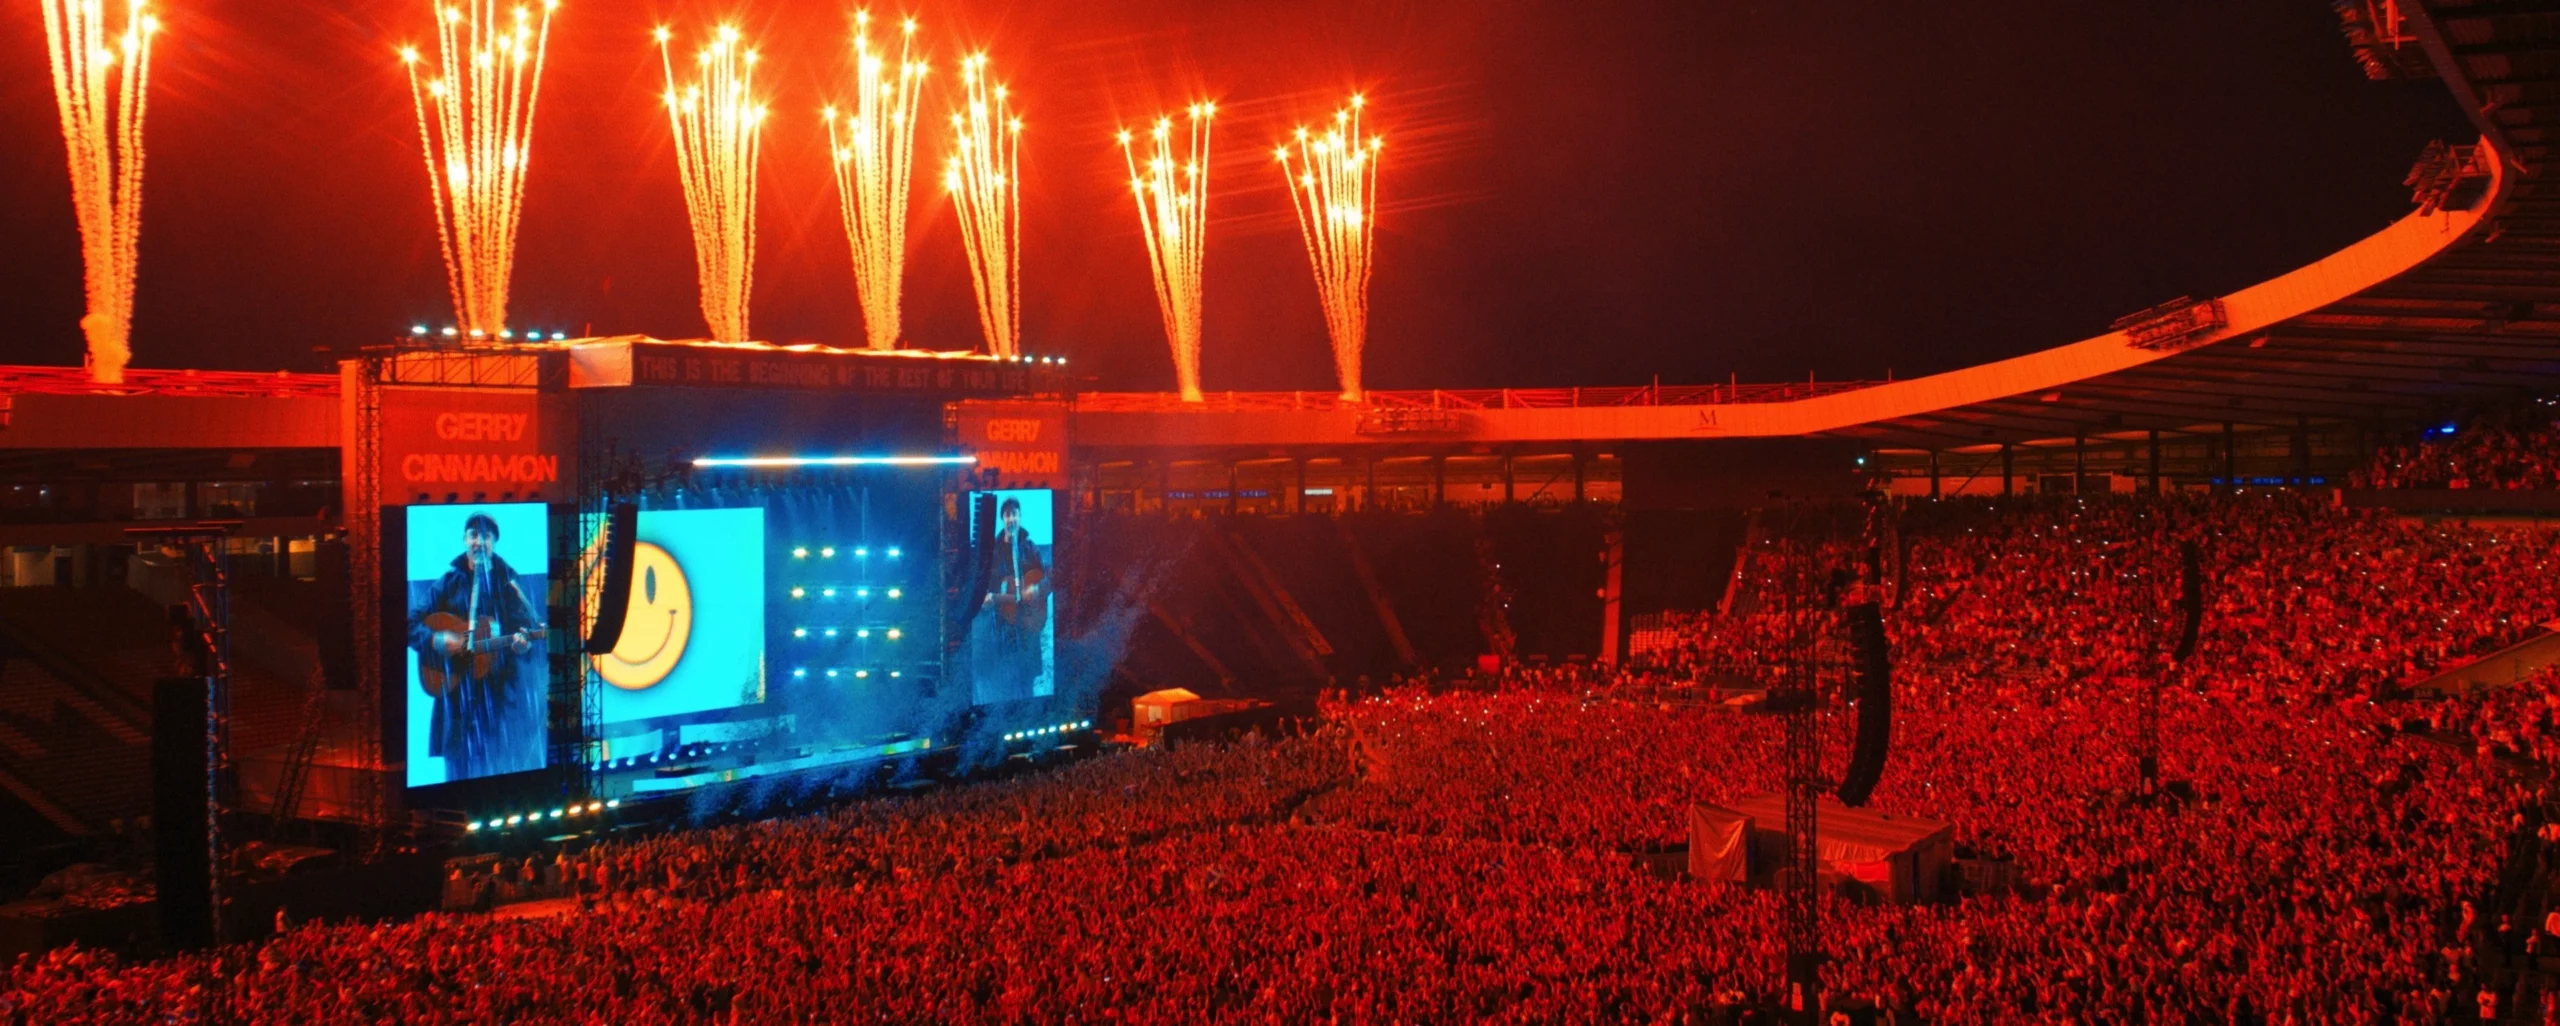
(661, 619)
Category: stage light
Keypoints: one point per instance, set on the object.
(562, 336)
(783, 462)
(595, 806)
(831, 674)
(894, 593)
(862, 593)
(506, 333)
(863, 633)
(893, 675)
(829, 552)
(613, 804)
(800, 672)
(799, 632)
(829, 593)
(831, 632)
(895, 634)
(801, 553)
(799, 592)
(893, 552)
(474, 827)
(417, 329)
(514, 820)
(862, 553)
(862, 674)
(451, 332)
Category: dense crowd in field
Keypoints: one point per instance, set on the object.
(1437, 854)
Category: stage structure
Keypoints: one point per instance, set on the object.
(838, 558)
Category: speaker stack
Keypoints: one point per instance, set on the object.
(182, 812)
(621, 534)
(1875, 703)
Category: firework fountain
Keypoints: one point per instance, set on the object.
(718, 122)
(874, 147)
(984, 183)
(1333, 184)
(475, 121)
(1173, 215)
(101, 83)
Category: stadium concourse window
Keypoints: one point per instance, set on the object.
(41, 566)
(229, 498)
(159, 500)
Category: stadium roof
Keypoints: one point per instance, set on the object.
(2476, 316)
(2458, 302)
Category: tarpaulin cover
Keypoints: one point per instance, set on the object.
(1719, 844)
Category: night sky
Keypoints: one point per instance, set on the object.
(1574, 192)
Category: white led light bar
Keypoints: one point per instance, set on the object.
(834, 461)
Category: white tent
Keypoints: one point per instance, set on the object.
(1151, 711)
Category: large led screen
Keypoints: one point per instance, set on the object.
(478, 669)
(1012, 645)
(694, 639)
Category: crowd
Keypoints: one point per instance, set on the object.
(2520, 720)
(1461, 854)
(2302, 598)
(2514, 448)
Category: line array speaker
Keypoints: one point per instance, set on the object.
(181, 813)
(1875, 703)
(621, 535)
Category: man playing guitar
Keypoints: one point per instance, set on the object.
(472, 634)
(1017, 596)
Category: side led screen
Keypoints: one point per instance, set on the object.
(694, 639)
(478, 666)
(1012, 642)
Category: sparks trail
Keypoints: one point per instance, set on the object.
(983, 178)
(101, 85)
(475, 121)
(718, 123)
(874, 147)
(1173, 215)
(1333, 186)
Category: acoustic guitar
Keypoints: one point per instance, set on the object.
(1027, 607)
(480, 645)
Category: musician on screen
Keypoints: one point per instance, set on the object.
(1009, 656)
(478, 638)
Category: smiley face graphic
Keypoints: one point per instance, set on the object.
(660, 622)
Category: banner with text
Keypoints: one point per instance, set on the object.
(476, 445)
(1023, 444)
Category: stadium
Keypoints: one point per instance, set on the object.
(2206, 669)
